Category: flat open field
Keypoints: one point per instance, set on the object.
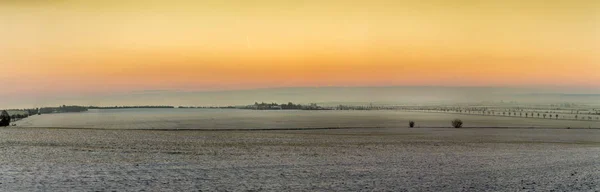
(371, 159)
(244, 150)
(250, 119)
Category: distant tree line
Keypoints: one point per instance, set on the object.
(73, 109)
(592, 114)
(63, 109)
(284, 106)
(133, 107)
(211, 107)
(23, 113)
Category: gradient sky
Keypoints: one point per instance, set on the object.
(65, 46)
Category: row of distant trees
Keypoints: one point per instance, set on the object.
(134, 107)
(63, 109)
(45, 110)
(538, 115)
(77, 108)
(74, 109)
(284, 106)
(514, 113)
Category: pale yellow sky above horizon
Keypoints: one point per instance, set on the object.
(87, 46)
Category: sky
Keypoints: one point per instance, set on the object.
(54, 47)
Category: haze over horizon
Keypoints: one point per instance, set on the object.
(67, 48)
(391, 95)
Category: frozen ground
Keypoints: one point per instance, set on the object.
(368, 159)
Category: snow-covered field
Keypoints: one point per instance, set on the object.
(250, 119)
(135, 150)
(373, 159)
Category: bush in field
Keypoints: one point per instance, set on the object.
(4, 119)
(457, 123)
(411, 124)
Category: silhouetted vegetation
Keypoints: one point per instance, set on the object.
(457, 123)
(63, 109)
(411, 124)
(288, 106)
(134, 107)
(4, 119)
(74, 109)
(18, 114)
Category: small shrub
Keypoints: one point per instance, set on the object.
(411, 124)
(457, 123)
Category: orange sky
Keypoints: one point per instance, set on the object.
(84, 46)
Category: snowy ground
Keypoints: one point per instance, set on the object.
(369, 159)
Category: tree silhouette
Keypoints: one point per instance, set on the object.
(4, 119)
(556, 116)
(544, 115)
